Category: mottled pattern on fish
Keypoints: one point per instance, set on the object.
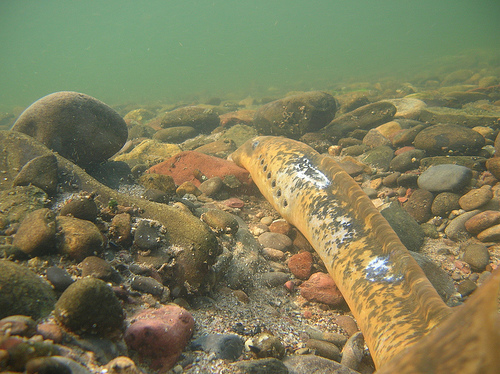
(393, 302)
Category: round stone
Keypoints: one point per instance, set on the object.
(77, 126)
(446, 177)
(90, 294)
(477, 256)
(444, 203)
(275, 240)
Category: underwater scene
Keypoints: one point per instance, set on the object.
(249, 187)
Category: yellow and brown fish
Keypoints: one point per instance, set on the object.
(406, 325)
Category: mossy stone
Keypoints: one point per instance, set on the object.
(90, 306)
(23, 292)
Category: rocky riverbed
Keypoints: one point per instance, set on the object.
(165, 257)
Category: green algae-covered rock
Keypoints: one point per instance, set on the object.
(23, 292)
(90, 306)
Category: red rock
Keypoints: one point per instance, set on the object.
(183, 165)
(321, 288)
(301, 265)
(482, 221)
(160, 335)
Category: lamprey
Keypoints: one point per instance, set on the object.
(401, 315)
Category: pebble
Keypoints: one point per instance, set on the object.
(301, 265)
(275, 240)
(78, 238)
(353, 351)
(408, 108)
(476, 198)
(455, 230)
(234, 202)
(160, 182)
(347, 323)
(160, 335)
(379, 157)
(406, 136)
(18, 325)
(324, 349)
(223, 346)
(72, 308)
(99, 268)
(449, 139)
(262, 366)
(275, 278)
(122, 365)
(321, 288)
(82, 207)
(466, 287)
(419, 205)
(36, 235)
(273, 254)
(491, 234)
(148, 285)
(374, 138)
(120, 229)
(407, 160)
(147, 235)
(444, 203)
(176, 134)
(482, 221)
(442, 178)
(211, 186)
(312, 364)
(264, 345)
(59, 278)
(220, 221)
(186, 188)
(295, 115)
(55, 365)
(267, 220)
(280, 226)
(477, 256)
(198, 117)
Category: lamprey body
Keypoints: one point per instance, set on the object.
(393, 302)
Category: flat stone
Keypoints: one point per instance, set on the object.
(223, 346)
(408, 230)
(442, 178)
(36, 235)
(408, 108)
(201, 118)
(78, 238)
(324, 349)
(456, 227)
(419, 205)
(407, 160)
(40, 172)
(379, 157)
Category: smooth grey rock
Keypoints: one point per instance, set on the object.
(448, 177)
(405, 226)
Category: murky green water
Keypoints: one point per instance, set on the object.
(141, 51)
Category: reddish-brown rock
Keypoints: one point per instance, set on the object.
(301, 265)
(281, 227)
(321, 288)
(160, 335)
(482, 221)
(183, 165)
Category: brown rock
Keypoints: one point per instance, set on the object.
(40, 172)
(77, 126)
(419, 205)
(82, 207)
(365, 117)
(477, 256)
(219, 148)
(491, 234)
(78, 238)
(202, 119)
(281, 227)
(493, 166)
(449, 139)
(347, 324)
(175, 134)
(293, 116)
(164, 183)
(301, 265)
(408, 108)
(482, 221)
(244, 116)
(321, 288)
(324, 349)
(37, 233)
(120, 229)
(444, 203)
(476, 198)
(183, 165)
(188, 188)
